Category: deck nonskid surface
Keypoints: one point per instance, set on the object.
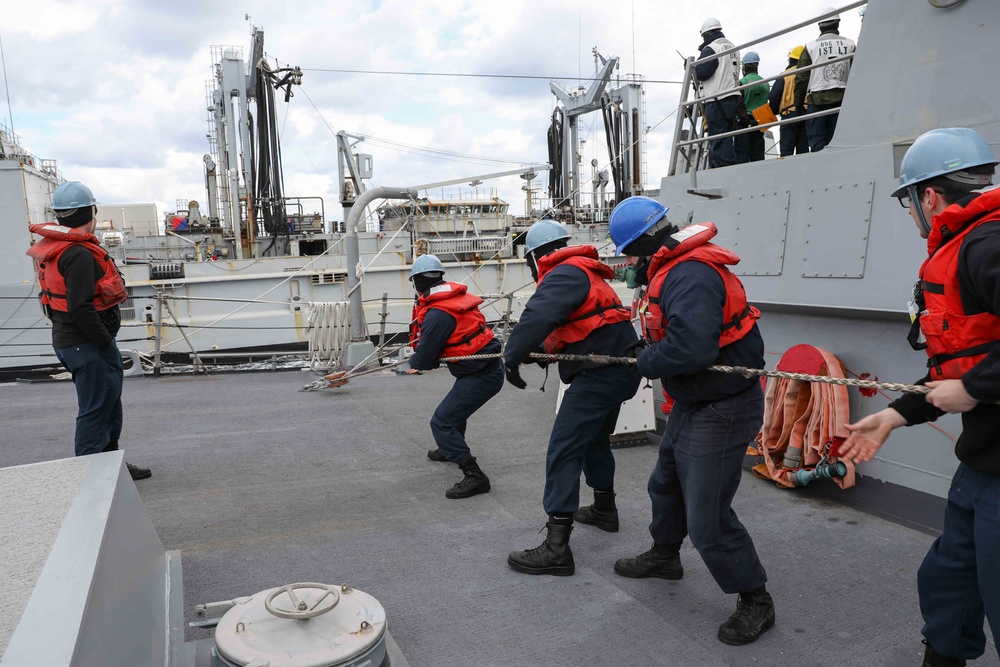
(259, 484)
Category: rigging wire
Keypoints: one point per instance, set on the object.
(410, 148)
(469, 76)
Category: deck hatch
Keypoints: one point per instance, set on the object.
(758, 235)
(837, 249)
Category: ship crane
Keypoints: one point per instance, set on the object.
(247, 159)
(623, 111)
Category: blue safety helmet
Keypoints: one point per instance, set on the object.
(632, 218)
(542, 232)
(941, 152)
(70, 195)
(751, 58)
(426, 264)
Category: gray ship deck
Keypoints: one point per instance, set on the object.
(259, 484)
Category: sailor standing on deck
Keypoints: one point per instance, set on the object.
(750, 146)
(824, 86)
(447, 323)
(782, 101)
(81, 289)
(945, 182)
(573, 311)
(718, 77)
(696, 315)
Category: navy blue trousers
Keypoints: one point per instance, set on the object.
(749, 147)
(581, 435)
(794, 140)
(694, 481)
(721, 117)
(98, 377)
(820, 130)
(467, 395)
(959, 582)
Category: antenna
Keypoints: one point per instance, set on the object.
(3, 60)
(635, 67)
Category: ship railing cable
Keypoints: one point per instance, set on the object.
(362, 269)
(266, 292)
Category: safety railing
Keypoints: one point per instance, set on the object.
(688, 145)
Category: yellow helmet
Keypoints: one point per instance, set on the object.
(796, 52)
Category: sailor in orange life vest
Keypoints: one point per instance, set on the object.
(80, 292)
(573, 311)
(447, 323)
(944, 181)
(696, 314)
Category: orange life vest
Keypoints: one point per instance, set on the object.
(109, 290)
(602, 306)
(471, 333)
(955, 341)
(693, 244)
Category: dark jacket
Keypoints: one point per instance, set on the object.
(82, 323)
(437, 328)
(704, 71)
(979, 283)
(692, 299)
(564, 289)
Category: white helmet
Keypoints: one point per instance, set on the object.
(710, 24)
(830, 19)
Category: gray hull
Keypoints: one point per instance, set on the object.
(827, 255)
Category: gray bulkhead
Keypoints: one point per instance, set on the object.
(827, 255)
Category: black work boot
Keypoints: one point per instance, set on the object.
(663, 561)
(436, 455)
(474, 482)
(552, 556)
(934, 659)
(602, 513)
(136, 472)
(753, 616)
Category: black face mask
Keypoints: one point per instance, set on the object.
(532, 266)
(424, 281)
(642, 271)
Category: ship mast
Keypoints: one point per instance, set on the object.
(247, 162)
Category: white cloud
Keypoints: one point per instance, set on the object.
(114, 89)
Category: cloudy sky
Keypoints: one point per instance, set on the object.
(114, 90)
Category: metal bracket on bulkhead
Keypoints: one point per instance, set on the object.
(708, 193)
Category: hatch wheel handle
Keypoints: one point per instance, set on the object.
(302, 609)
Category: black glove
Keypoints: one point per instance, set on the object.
(514, 376)
(633, 349)
(542, 363)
